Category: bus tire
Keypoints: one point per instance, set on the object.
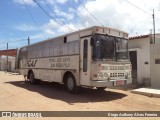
(101, 88)
(32, 80)
(70, 84)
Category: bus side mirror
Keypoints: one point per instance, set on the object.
(92, 41)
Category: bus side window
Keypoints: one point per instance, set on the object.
(85, 55)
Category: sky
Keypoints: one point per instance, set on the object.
(20, 19)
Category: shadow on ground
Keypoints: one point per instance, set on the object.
(57, 91)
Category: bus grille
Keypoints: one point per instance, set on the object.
(117, 75)
(117, 67)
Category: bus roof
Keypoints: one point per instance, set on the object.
(93, 29)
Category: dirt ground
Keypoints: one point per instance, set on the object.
(18, 95)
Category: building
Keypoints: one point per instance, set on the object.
(155, 65)
(145, 57)
(11, 64)
(2, 64)
(11, 53)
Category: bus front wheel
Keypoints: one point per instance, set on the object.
(70, 84)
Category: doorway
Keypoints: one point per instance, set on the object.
(133, 59)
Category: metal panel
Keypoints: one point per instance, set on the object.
(76, 48)
(73, 37)
(71, 48)
(64, 48)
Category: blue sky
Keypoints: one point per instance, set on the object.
(17, 23)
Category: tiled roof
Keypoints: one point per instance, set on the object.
(143, 36)
(10, 52)
(138, 37)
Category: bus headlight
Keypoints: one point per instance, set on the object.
(126, 75)
(108, 74)
(100, 75)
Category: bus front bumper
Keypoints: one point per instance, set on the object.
(110, 83)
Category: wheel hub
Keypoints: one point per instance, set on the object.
(70, 83)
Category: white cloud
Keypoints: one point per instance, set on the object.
(50, 1)
(111, 13)
(56, 1)
(62, 1)
(51, 24)
(50, 27)
(31, 2)
(67, 28)
(28, 2)
(49, 31)
(66, 15)
(25, 27)
(119, 14)
(76, 1)
(39, 36)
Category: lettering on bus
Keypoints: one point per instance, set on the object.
(60, 62)
(29, 63)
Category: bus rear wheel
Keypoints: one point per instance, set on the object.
(32, 80)
(70, 84)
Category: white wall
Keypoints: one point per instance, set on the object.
(12, 60)
(2, 66)
(143, 55)
(3, 63)
(155, 68)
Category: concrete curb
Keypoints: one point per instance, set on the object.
(151, 92)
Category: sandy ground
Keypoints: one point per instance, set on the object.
(18, 95)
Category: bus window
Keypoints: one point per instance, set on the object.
(85, 56)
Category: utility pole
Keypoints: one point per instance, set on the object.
(7, 58)
(154, 26)
(28, 41)
(151, 39)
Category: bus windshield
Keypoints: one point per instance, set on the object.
(121, 49)
(107, 47)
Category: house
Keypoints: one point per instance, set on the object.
(145, 59)
(11, 53)
(11, 64)
(2, 64)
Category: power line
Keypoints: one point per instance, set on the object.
(13, 41)
(51, 16)
(74, 7)
(90, 13)
(138, 7)
(49, 8)
(31, 15)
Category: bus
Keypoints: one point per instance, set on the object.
(95, 57)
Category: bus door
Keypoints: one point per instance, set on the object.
(85, 61)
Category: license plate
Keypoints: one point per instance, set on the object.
(119, 82)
